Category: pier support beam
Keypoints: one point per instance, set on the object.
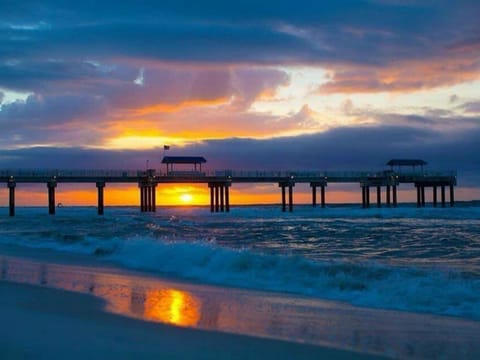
(322, 195)
(154, 198)
(284, 208)
(290, 186)
(100, 186)
(290, 197)
(365, 196)
(222, 197)
(212, 204)
(51, 185)
(452, 196)
(434, 196)
(11, 197)
(379, 196)
(443, 195)
(148, 197)
(314, 186)
(419, 196)
(314, 195)
(142, 197)
(394, 195)
(219, 196)
(388, 195)
(423, 195)
(227, 197)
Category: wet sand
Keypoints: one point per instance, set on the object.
(43, 323)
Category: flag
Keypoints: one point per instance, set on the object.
(166, 147)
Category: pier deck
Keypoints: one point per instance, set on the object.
(219, 182)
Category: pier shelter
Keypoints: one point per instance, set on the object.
(401, 163)
(196, 161)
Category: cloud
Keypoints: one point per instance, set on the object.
(472, 107)
(362, 32)
(402, 76)
(348, 148)
(93, 101)
(453, 98)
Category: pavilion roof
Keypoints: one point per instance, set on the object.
(183, 160)
(406, 162)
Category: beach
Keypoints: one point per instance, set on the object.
(42, 322)
(71, 307)
(183, 283)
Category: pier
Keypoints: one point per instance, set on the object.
(220, 181)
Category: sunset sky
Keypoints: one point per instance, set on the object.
(324, 85)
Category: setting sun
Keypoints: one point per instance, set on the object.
(186, 198)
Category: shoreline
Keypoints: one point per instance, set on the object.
(48, 323)
(300, 322)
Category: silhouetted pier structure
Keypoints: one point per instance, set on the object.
(220, 181)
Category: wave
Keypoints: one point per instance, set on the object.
(376, 285)
(424, 260)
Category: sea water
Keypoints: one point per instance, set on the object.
(419, 260)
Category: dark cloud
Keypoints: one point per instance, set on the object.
(38, 111)
(349, 148)
(369, 32)
(370, 46)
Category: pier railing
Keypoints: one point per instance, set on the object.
(226, 173)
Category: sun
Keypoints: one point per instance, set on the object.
(186, 198)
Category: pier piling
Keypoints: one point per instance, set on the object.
(379, 196)
(51, 185)
(219, 196)
(227, 198)
(290, 197)
(394, 195)
(283, 186)
(11, 197)
(314, 186)
(452, 196)
(100, 186)
(148, 197)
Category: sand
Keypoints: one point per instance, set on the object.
(43, 323)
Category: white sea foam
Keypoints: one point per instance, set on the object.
(366, 284)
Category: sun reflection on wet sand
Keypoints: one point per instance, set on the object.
(172, 307)
(265, 315)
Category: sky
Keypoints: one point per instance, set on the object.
(318, 85)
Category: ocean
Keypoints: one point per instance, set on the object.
(421, 260)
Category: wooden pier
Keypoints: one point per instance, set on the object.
(220, 181)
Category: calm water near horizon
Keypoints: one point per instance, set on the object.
(418, 260)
